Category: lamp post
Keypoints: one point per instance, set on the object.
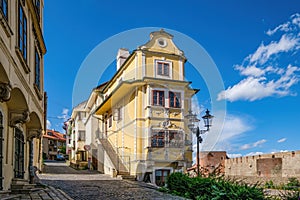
(207, 118)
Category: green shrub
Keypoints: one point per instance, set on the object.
(293, 183)
(201, 188)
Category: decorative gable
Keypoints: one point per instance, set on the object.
(161, 41)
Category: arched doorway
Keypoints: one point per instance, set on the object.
(34, 133)
(18, 116)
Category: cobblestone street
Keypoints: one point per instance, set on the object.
(85, 185)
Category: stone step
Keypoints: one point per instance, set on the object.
(113, 155)
(17, 181)
(24, 191)
(123, 173)
(22, 186)
(127, 177)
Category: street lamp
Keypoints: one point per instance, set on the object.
(207, 118)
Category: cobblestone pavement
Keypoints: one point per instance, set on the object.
(90, 185)
(60, 182)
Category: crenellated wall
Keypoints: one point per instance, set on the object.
(277, 166)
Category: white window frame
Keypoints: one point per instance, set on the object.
(170, 76)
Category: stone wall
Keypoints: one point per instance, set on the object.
(277, 167)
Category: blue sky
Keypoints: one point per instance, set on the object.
(254, 44)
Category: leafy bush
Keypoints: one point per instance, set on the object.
(201, 188)
(293, 183)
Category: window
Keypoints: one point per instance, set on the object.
(49, 133)
(81, 115)
(82, 156)
(172, 139)
(1, 150)
(81, 135)
(175, 139)
(4, 9)
(22, 32)
(161, 176)
(175, 99)
(38, 7)
(110, 121)
(19, 154)
(163, 68)
(158, 98)
(37, 71)
(158, 139)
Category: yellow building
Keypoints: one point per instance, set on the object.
(22, 103)
(143, 131)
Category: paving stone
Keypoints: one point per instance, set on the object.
(65, 183)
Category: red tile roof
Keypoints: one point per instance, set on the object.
(55, 135)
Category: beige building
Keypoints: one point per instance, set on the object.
(54, 143)
(22, 99)
(76, 137)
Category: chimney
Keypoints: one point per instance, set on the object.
(122, 55)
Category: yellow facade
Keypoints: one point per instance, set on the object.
(142, 112)
(22, 98)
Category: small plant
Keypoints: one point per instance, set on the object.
(293, 182)
(269, 185)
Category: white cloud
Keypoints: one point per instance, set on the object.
(285, 44)
(255, 88)
(245, 147)
(65, 111)
(259, 142)
(281, 140)
(254, 153)
(234, 155)
(282, 27)
(234, 127)
(48, 124)
(64, 114)
(263, 71)
(252, 145)
(296, 19)
(287, 26)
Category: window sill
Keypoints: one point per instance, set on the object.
(22, 60)
(38, 92)
(5, 25)
(163, 77)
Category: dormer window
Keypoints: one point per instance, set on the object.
(163, 69)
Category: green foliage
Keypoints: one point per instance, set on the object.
(211, 188)
(63, 150)
(293, 182)
(269, 185)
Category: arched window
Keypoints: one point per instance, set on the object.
(1, 150)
